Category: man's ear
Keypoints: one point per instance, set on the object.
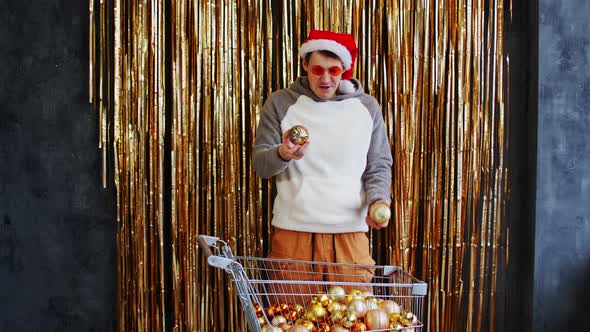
(304, 64)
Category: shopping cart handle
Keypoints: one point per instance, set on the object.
(205, 241)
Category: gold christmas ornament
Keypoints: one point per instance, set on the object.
(348, 319)
(359, 327)
(324, 327)
(278, 320)
(298, 135)
(389, 307)
(336, 316)
(299, 309)
(380, 212)
(270, 328)
(371, 303)
(299, 328)
(306, 323)
(262, 320)
(315, 312)
(354, 294)
(321, 298)
(357, 307)
(334, 307)
(339, 328)
(286, 327)
(376, 319)
(257, 309)
(336, 293)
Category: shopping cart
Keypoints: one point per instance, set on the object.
(287, 295)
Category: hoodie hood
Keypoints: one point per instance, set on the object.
(301, 86)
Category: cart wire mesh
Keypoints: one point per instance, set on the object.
(290, 295)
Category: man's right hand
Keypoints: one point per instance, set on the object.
(288, 150)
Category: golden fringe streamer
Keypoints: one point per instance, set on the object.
(438, 69)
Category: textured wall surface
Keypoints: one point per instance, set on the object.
(57, 224)
(562, 247)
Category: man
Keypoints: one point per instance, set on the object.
(325, 186)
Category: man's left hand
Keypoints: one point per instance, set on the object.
(372, 223)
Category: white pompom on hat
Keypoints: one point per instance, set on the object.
(341, 44)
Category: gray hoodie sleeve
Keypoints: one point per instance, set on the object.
(377, 175)
(266, 159)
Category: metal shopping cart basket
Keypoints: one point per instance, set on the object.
(298, 296)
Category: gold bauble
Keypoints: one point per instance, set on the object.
(299, 309)
(339, 328)
(299, 328)
(315, 311)
(371, 303)
(262, 320)
(354, 294)
(270, 328)
(278, 320)
(324, 327)
(376, 319)
(292, 315)
(366, 293)
(321, 298)
(334, 306)
(336, 316)
(357, 307)
(257, 309)
(380, 213)
(348, 319)
(286, 327)
(358, 327)
(271, 310)
(298, 135)
(389, 307)
(337, 293)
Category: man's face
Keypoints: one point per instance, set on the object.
(324, 85)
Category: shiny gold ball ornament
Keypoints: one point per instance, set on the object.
(358, 327)
(262, 320)
(335, 316)
(348, 319)
(354, 294)
(324, 327)
(336, 293)
(315, 312)
(271, 310)
(357, 307)
(257, 309)
(299, 328)
(299, 309)
(310, 326)
(380, 212)
(339, 328)
(390, 307)
(376, 319)
(371, 303)
(321, 298)
(270, 328)
(298, 135)
(334, 307)
(278, 320)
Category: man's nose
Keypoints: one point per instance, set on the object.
(325, 76)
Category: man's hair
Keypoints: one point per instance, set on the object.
(324, 53)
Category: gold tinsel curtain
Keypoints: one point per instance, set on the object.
(179, 86)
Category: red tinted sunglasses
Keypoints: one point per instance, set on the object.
(319, 70)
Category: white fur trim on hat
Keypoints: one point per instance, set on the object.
(327, 45)
(346, 86)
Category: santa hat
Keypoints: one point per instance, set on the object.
(341, 44)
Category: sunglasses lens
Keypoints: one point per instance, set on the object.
(317, 70)
(335, 71)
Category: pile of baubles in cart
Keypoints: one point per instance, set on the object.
(337, 311)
